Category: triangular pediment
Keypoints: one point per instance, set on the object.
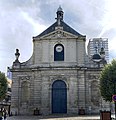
(59, 33)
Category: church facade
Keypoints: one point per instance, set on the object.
(59, 77)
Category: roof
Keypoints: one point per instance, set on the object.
(59, 9)
(66, 28)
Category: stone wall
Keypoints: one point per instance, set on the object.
(82, 90)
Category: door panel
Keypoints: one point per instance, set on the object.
(59, 97)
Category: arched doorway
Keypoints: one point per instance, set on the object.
(59, 97)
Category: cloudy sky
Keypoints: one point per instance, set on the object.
(20, 20)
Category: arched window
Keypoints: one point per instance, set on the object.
(59, 52)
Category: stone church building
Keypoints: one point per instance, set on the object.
(59, 77)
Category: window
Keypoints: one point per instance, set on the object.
(59, 52)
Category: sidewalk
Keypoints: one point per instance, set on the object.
(57, 117)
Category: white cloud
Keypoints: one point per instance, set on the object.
(18, 26)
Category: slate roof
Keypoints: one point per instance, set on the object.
(66, 28)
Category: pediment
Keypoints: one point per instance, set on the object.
(59, 34)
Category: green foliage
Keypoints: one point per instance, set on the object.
(108, 81)
(3, 86)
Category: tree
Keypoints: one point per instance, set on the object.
(3, 86)
(108, 81)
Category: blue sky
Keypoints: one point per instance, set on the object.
(20, 20)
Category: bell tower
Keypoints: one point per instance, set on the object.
(59, 15)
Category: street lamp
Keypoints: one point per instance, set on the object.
(114, 89)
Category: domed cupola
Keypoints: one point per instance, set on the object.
(59, 13)
(96, 57)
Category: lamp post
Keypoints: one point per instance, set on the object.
(115, 108)
(114, 91)
(114, 96)
(114, 99)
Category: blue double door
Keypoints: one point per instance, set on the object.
(59, 97)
